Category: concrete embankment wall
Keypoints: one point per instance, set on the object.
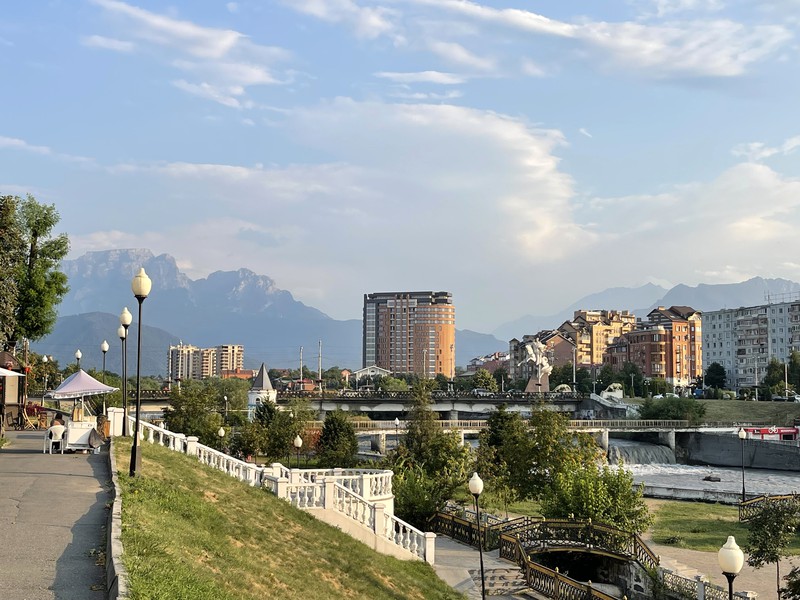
(725, 450)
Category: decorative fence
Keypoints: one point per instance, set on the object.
(749, 508)
(520, 539)
(362, 495)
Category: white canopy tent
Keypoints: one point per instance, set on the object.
(7, 373)
(78, 385)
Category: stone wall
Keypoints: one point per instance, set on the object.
(724, 450)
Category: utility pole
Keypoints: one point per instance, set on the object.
(300, 380)
(319, 367)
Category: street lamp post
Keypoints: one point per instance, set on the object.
(298, 443)
(396, 432)
(140, 286)
(45, 360)
(78, 355)
(226, 408)
(742, 437)
(731, 561)
(104, 349)
(125, 319)
(475, 488)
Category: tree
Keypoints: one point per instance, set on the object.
(430, 464)
(193, 410)
(602, 494)
(715, 376)
(484, 379)
(687, 409)
(552, 448)
(770, 531)
(338, 445)
(11, 245)
(40, 286)
(501, 378)
(392, 384)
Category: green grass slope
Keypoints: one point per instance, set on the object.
(192, 532)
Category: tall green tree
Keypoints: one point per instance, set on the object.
(687, 409)
(484, 379)
(338, 445)
(194, 410)
(40, 285)
(715, 376)
(770, 531)
(11, 245)
(599, 493)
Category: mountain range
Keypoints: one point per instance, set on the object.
(242, 307)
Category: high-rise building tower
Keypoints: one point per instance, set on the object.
(410, 332)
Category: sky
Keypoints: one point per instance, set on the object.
(519, 154)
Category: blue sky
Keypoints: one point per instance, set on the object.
(518, 154)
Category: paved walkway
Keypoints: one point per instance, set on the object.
(52, 521)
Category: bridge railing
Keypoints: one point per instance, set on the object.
(479, 424)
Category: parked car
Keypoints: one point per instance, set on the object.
(481, 392)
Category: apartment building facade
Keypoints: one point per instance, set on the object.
(410, 332)
(668, 346)
(744, 340)
(186, 361)
(592, 331)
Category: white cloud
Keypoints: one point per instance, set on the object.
(98, 41)
(666, 7)
(226, 96)
(202, 42)
(19, 144)
(757, 151)
(457, 54)
(717, 48)
(367, 22)
(583, 131)
(423, 77)
(225, 61)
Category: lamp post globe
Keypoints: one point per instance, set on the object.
(78, 355)
(140, 286)
(731, 561)
(476, 489)
(221, 432)
(298, 443)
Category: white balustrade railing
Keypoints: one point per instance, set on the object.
(359, 494)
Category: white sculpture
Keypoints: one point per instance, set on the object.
(541, 366)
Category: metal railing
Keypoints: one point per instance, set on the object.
(749, 508)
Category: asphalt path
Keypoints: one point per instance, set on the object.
(52, 521)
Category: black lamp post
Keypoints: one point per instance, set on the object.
(731, 560)
(475, 488)
(140, 285)
(104, 349)
(742, 437)
(125, 319)
(78, 355)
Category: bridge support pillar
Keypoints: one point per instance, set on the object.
(602, 439)
(378, 442)
(453, 415)
(322, 414)
(667, 438)
(461, 434)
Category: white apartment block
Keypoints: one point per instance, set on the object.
(190, 362)
(744, 340)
